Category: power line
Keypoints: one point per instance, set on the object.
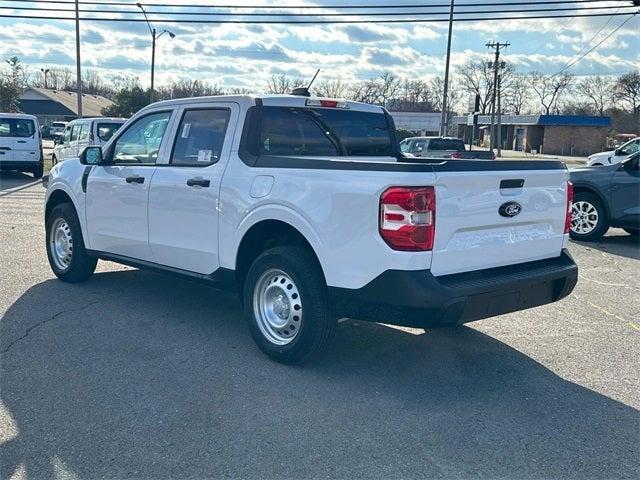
(328, 7)
(315, 22)
(341, 14)
(595, 46)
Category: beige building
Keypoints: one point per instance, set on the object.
(57, 105)
(551, 134)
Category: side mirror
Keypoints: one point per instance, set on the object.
(91, 156)
(617, 152)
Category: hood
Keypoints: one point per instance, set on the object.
(609, 153)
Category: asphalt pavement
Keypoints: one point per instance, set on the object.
(139, 375)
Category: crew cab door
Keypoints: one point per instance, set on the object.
(184, 192)
(625, 194)
(117, 195)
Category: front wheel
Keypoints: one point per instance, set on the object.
(286, 305)
(65, 246)
(588, 218)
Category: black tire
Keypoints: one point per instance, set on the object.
(315, 326)
(54, 160)
(38, 171)
(602, 223)
(632, 231)
(81, 266)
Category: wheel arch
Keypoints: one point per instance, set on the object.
(583, 188)
(55, 198)
(266, 234)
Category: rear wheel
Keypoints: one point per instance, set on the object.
(65, 246)
(38, 171)
(588, 218)
(286, 305)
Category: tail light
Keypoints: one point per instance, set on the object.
(456, 155)
(408, 218)
(567, 220)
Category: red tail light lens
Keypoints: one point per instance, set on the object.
(567, 220)
(408, 218)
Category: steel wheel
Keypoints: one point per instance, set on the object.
(277, 306)
(584, 217)
(61, 243)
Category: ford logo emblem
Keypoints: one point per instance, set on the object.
(510, 209)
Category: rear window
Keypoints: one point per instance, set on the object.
(59, 124)
(106, 130)
(17, 127)
(292, 131)
(446, 144)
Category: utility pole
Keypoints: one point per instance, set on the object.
(154, 37)
(496, 66)
(45, 71)
(499, 116)
(445, 89)
(78, 72)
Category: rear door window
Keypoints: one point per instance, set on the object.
(83, 134)
(106, 130)
(23, 127)
(200, 137)
(74, 133)
(294, 131)
(446, 144)
(5, 127)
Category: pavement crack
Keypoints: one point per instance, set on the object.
(47, 320)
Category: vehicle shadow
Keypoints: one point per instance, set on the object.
(135, 374)
(15, 181)
(617, 242)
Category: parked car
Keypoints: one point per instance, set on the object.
(614, 156)
(81, 133)
(442, 147)
(308, 209)
(56, 129)
(21, 144)
(606, 196)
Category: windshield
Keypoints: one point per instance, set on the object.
(323, 132)
(446, 144)
(106, 130)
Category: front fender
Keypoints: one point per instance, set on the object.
(67, 177)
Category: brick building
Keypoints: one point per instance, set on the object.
(551, 134)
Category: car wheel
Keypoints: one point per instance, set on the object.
(286, 305)
(38, 171)
(588, 218)
(632, 231)
(65, 246)
(54, 160)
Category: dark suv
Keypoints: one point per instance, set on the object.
(606, 196)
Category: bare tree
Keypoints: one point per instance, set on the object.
(627, 91)
(599, 91)
(389, 86)
(516, 95)
(92, 82)
(550, 88)
(331, 89)
(476, 78)
(283, 84)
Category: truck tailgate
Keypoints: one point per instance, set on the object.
(492, 218)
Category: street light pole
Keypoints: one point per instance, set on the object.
(443, 117)
(45, 71)
(78, 72)
(154, 37)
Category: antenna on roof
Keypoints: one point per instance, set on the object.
(304, 91)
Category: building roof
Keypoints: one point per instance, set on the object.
(41, 101)
(543, 120)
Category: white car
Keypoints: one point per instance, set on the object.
(308, 209)
(614, 156)
(56, 128)
(21, 144)
(82, 133)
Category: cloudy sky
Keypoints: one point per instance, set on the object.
(245, 55)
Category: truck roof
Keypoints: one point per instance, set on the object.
(18, 115)
(268, 100)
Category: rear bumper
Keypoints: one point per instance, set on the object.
(418, 299)
(21, 166)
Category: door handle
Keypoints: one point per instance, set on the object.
(198, 181)
(22, 141)
(134, 179)
(5, 148)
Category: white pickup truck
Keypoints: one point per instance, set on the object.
(307, 207)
